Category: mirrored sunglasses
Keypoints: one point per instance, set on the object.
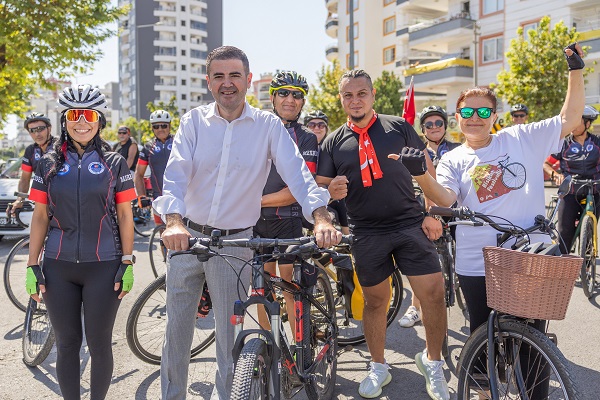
(519, 115)
(160, 126)
(37, 129)
(295, 94)
(482, 112)
(90, 116)
(313, 125)
(438, 124)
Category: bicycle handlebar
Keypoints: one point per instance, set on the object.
(17, 211)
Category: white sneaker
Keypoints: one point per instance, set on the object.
(411, 317)
(378, 377)
(433, 371)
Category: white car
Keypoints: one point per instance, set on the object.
(9, 184)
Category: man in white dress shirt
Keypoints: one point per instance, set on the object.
(218, 167)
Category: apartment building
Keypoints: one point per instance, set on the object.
(260, 90)
(163, 46)
(448, 45)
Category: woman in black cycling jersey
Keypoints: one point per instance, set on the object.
(82, 193)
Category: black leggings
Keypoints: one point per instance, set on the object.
(569, 211)
(69, 286)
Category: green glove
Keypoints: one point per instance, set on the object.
(125, 275)
(34, 278)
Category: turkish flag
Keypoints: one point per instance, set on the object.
(409, 112)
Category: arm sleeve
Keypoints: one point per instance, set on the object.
(309, 148)
(39, 187)
(143, 159)
(124, 190)
(26, 165)
(326, 166)
(447, 176)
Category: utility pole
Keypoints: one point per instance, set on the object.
(351, 34)
(476, 28)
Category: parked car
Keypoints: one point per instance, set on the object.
(9, 184)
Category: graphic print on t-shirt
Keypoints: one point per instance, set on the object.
(495, 178)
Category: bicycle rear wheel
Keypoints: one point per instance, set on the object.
(147, 323)
(38, 335)
(157, 252)
(588, 268)
(143, 221)
(251, 376)
(527, 361)
(15, 271)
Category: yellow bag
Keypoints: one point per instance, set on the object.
(357, 304)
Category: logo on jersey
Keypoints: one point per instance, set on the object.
(125, 178)
(169, 146)
(39, 179)
(589, 147)
(37, 156)
(96, 168)
(310, 153)
(156, 149)
(64, 170)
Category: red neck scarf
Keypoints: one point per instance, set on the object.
(366, 153)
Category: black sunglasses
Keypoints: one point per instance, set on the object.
(122, 132)
(438, 124)
(320, 125)
(519, 115)
(295, 94)
(160, 126)
(37, 129)
(482, 112)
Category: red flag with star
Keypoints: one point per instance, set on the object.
(409, 111)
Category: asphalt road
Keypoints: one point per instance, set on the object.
(578, 338)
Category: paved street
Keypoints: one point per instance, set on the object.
(578, 338)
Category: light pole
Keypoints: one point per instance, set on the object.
(351, 34)
(137, 68)
(475, 52)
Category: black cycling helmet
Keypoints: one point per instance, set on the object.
(289, 80)
(590, 113)
(433, 110)
(36, 117)
(519, 107)
(317, 114)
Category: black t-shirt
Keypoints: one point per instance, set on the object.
(124, 151)
(390, 203)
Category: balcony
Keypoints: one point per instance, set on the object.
(331, 52)
(436, 35)
(437, 5)
(418, 57)
(165, 11)
(332, 6)
(198, 11)
(447, 72)
(591, 38)
(331, 26)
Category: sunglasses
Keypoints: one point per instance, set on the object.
(313, 125)
(438, 124)
(122, 132)
(285, 93)
(160, 126)
(482, 112)
(37, 129)
(90, 116)
(519, 115)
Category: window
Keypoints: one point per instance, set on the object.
(182, 23)
(183, 38)
(183, 67)
(183, 82)
(183, 52)
(389, 54)
(355, 60)
(528, 26)
(355, 32)
(387, 2)
(492, 6)
(493, 49)
(348, 6)
(389, 25)
(183, 96)
(182, 8)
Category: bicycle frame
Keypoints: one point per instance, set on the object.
(589, 211)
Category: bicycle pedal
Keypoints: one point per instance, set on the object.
(553, 338)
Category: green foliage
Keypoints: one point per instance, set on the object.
(388, 98)
(48, 39)
(324, 96)
(252, 100)
(538, 72)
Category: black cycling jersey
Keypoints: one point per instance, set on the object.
(390, 202)
(33, 154)
(308, 146)
(124, 151)
(156, 154)
(82, 199)
(442, 149)
(580, 160)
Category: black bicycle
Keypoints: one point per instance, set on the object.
(266, 365)
(142, 216)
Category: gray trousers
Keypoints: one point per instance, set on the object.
(185, 279)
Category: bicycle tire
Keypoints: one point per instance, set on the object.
(351, 334)
(449, 294)
(38, 334)
(473, 379)
(146, 325)
(458, 295)
(317, 332)
(157, 252)
(143, 221)
(588, 267)
(15, 270)
(252, 372)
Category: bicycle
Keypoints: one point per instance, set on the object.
(38, 334)
(522, 361)
(265, 363)
(157, 252)
(142, 216)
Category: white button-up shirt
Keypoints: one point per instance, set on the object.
(218, 169)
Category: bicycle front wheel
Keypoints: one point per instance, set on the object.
(528, 365)
(38, 335)
(147, 323)
(15, 271)
(588, 268)
(251, 375)
(157, 252)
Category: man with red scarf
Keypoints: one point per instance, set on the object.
(389, 228)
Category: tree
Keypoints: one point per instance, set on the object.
(252, 100)
(324, 96)
(44, 39)
(388, 98)
(537, 74)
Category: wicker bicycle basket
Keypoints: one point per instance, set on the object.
(529, 285)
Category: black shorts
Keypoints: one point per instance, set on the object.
(376, 256)
(288, 228)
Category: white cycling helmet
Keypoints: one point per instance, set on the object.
(160, 116)
(82, 96)
(590, 113)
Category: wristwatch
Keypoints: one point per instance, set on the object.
(129, 257)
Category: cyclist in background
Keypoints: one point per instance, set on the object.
(579, 157)
(127, 147)
(40, 130)
(155, 154)
(82, 193)
(280, 214)
(519, 114)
